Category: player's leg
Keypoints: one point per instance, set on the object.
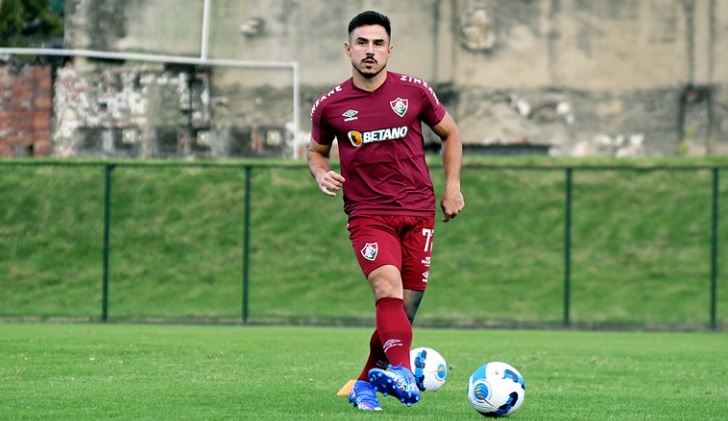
(377, 357)
(416, 256)
(376, 243)
(376, 247)
(395, 332)
(412, 300)
(416, 244)
(362, 394)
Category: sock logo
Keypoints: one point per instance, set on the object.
(390, 343)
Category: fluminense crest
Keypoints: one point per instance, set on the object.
(399, 106)
(370, 251)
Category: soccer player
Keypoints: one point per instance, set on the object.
(376, 118)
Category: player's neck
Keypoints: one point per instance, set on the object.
(369, 85)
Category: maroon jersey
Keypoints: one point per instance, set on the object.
(380, 142)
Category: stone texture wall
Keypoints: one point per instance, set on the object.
(158, 111)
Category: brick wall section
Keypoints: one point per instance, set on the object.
(25, 111)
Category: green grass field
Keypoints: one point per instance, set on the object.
(640, 261)
(163, 372)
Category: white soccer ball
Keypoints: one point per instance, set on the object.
(496, 389)
(429, 368)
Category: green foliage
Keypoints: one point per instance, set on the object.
(124, 372)
(28, 22)
(11, 18)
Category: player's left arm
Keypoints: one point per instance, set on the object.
(452, 201)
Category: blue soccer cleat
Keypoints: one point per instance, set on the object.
(364, 396)
(396, 381)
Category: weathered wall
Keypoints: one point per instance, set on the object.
(171, 27)
(107, 112)
(157, 112)
(25, 111)
(599, 77)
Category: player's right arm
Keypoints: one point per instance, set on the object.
(319, 163)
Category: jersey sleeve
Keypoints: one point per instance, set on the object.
(321, 133)
(432, 110)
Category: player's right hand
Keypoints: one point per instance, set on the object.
(330, 182)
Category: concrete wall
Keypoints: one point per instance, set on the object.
(597, 77)
(593, 77)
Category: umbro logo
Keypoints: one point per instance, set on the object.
(350, 115)
(390, 343)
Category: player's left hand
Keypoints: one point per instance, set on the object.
(451, 204)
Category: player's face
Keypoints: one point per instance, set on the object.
(369, 50)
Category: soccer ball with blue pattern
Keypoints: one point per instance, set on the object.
(429, 368)
(496, 389)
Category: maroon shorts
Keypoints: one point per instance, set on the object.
(402, 241)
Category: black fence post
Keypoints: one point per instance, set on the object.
(714, 253)
(246, 243)
(108, 168)
(567, 248)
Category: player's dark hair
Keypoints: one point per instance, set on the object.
(370, 17)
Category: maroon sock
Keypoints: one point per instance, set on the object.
(377, 357)
(395, 331)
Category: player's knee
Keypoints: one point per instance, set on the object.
(385, 284)
(385, 290)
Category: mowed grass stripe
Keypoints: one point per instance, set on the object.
(119, 371)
